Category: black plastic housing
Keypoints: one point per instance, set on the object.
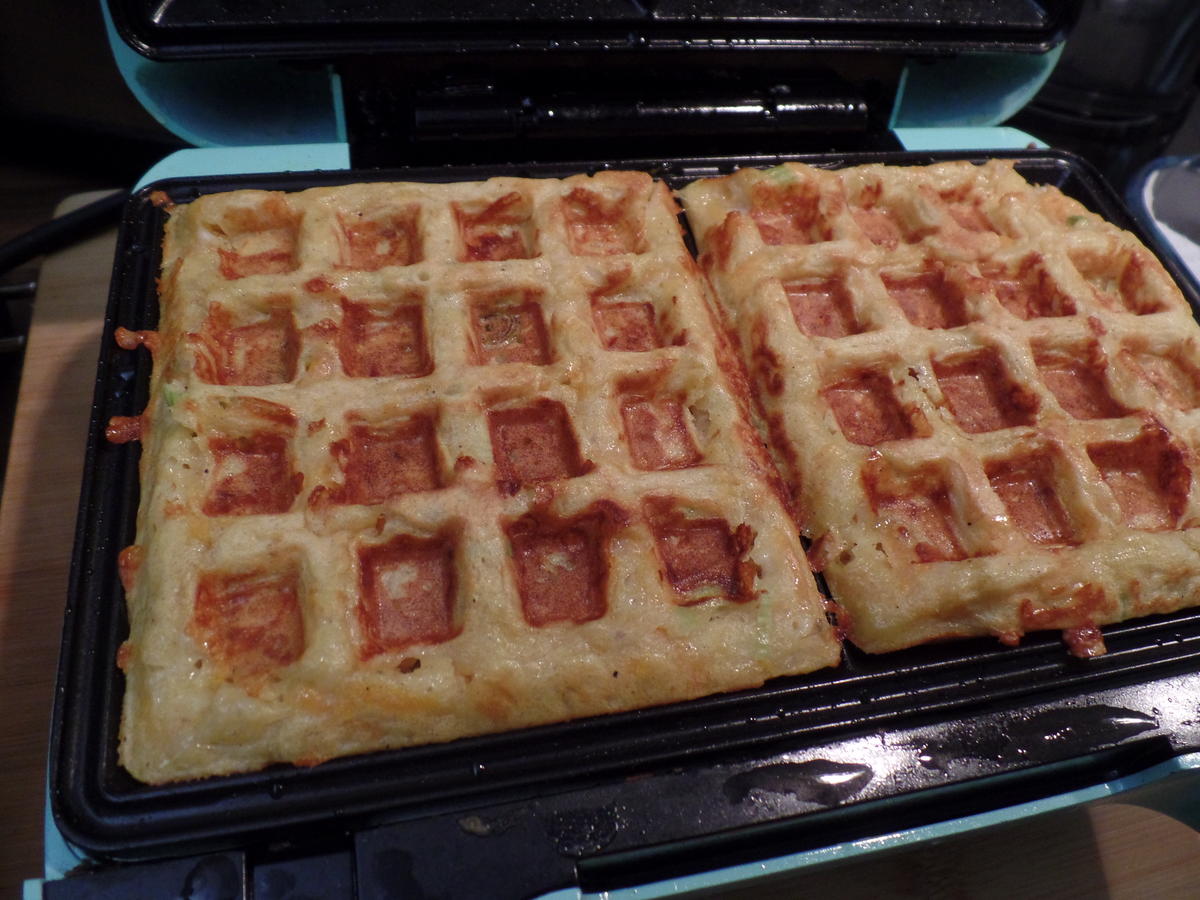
(314, 30)
(508, 81)
(802, 761)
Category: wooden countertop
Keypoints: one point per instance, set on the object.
(1101, 850)
(37, 522)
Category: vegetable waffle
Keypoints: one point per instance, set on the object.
(423, 461)
(983, 396)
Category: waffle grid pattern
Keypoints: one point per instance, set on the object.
(983, 396)
(425, 461)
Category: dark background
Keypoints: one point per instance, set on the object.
(71, 124)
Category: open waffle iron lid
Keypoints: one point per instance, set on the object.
(209, 29)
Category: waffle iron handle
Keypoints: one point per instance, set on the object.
(216, 876)
(468, 856)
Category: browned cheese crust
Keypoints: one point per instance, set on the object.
(983, 396)
(429, 461)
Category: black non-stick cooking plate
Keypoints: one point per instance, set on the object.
(802, 761)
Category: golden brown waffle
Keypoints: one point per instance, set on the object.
(425, 461)
(984, 397)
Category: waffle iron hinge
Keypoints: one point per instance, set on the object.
(461, 117)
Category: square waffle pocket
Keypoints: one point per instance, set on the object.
(423, 461)
(983, 396)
